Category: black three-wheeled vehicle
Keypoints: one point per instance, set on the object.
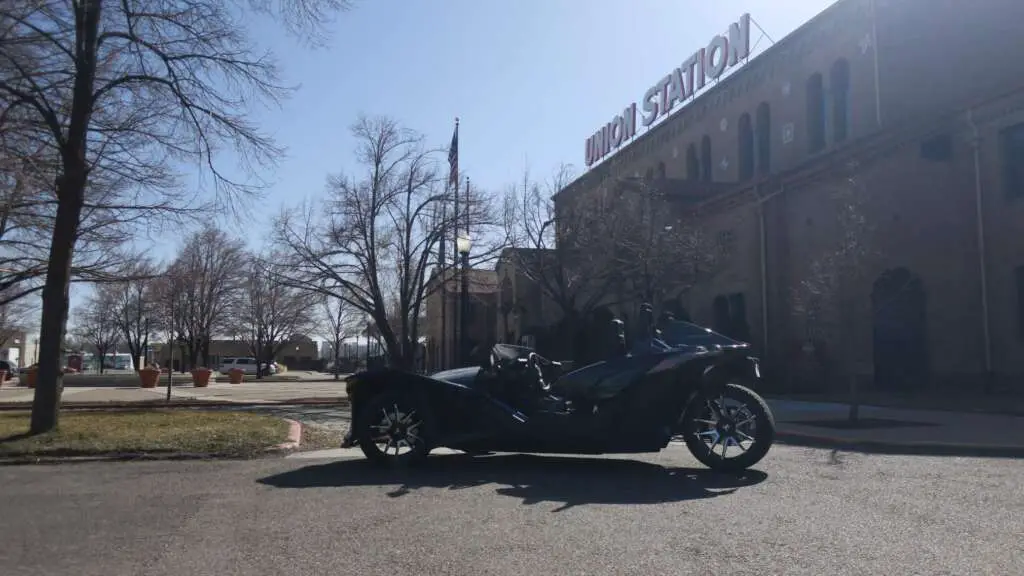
(685, 382)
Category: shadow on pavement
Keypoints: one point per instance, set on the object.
(571, 481)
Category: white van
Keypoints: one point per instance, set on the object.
(247, 364)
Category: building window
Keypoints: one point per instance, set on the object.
(1019, 277)
(938, 148)
(764, 138)
(731, 316)
(1011, 142)
(661, 171)
(692, 163)
(705, 158)
(746, 147)
(815, 114)
(840, 82)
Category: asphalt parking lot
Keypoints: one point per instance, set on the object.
(803, 511)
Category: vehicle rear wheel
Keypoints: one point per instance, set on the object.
(393, 430)
(730, 433)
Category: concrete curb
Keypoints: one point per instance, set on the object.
(294, 436)
(117, 457)
(907, 448)
(159, 404)
(905, 407)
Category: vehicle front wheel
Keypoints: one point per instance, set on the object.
(730, 433)
(393, 430)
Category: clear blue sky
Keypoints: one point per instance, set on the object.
(529, 79)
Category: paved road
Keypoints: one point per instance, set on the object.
(806, 513)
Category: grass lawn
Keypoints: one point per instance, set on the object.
(88, 433)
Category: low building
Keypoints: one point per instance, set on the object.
(442, 304)
(527, 314)
(299, 353)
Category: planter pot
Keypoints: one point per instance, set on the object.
(30, 377)
(148, 377)
(236, 375)
(201, 377)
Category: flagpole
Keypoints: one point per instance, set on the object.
(453, 180)
(442, 348)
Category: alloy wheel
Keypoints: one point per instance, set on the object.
(726, 426)
(397, 431)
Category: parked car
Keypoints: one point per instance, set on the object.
(247, 364)
(10, 368)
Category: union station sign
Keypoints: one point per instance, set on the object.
(723, 52)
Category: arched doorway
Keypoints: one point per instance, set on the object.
(900, 337)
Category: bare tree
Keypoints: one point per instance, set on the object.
(338, 323)
(826, 300)
(137, 308)
(15, 318)
(569, 251)
(204, 283)
(27, 218)
(270, 314)
(664, 249)
(122, 93)
(375, 237)
(98, 324)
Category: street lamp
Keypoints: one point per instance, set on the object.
(463, 244)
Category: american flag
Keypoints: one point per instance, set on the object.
(453, 157)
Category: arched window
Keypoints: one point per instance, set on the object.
(815, 113)
(839, 80)
(692, 163)
(764, 138)
(705, 158)
(746, 147)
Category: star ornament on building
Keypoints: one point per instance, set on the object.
(865, 43)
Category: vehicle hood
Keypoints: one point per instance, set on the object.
(458, 375)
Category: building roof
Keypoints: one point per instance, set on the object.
(479, 280)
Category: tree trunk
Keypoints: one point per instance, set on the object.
(854, 414)
(134, 350)
(70, 197)
(337, 360)
(50, 379)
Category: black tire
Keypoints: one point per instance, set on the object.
(762, 437)
(377, 412)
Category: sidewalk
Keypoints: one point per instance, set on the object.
(895, 430)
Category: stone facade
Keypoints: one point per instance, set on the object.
(782, 137)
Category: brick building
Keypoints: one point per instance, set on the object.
(526, 314)
(919, 107)
(442, 315)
